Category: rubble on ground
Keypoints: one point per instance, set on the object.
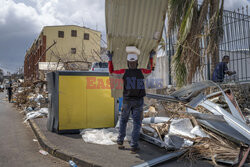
(205, 120)
(197, 121)
(32, 98)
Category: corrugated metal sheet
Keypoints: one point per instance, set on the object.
(134, 23)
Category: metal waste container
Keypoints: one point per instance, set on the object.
(79, 100)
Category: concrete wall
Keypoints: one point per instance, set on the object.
(86, 50)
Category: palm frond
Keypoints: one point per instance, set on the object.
(179, 67)
(188, 19)
(176, 10)
(162, 45)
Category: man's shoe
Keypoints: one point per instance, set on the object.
(134, 150)
(120, 145)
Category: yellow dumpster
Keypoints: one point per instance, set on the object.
(79, 100)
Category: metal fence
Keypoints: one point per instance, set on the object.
(235, 43)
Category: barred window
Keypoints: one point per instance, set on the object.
(61, 34)
(73, 33)
(86, 36)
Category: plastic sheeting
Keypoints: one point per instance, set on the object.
(100, 136)
(105, 136)
(36, 114)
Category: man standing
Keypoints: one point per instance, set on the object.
(221, 69)
(133, 93)
(9, 90)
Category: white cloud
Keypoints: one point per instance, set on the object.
(54, 12)
(87, 12)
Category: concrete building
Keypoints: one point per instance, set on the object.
(68, 47)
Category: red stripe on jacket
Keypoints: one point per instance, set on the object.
(122, 71)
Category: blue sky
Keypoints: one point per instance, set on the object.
(22, 20)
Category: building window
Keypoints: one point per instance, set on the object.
(73, 33)
(61, 34)
(73, 50)
(86, 36)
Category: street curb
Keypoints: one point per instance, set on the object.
(54, 151)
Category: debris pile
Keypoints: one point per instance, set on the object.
(241, 93)
(29, 95)
(207, 125)
(32, 98)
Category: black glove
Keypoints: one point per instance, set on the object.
(152, 53)
(110, 55)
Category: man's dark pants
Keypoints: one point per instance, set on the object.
(9, 96)
(136, 109)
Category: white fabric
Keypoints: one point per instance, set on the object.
(132, 57)
(100, 136)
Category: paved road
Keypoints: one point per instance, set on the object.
(17, 147)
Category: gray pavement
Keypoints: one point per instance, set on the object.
(17, 147)
(108, 156)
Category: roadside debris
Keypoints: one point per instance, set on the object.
(208, 125)
(200, 121)
(43, 152)
(151, 112)
(194, 123)
(31, 98)
(31, 95)
(36, 114)
(72, 163)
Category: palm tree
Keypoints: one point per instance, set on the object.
(189, 19)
